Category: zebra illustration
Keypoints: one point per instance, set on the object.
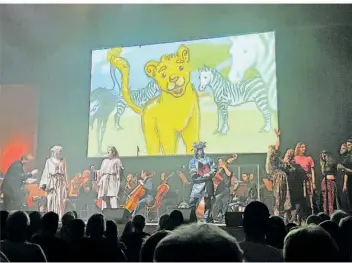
(228, 94)
(255, 52)
(140, 98)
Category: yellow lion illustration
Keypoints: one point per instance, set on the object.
(175, 113)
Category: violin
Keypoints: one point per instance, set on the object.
(217, 178)
(136, 195)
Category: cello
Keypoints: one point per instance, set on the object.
(163, 189)
(136, 195)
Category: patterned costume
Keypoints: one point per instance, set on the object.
(275, 167)
(202, 185)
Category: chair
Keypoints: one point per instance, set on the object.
(155, 207)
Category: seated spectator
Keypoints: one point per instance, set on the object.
(346, 230)
(149, 245)
(255, 225)
(276, 232)
(334, 231)
(135, 239)
(15, 247)
(3, 218)
(35, 223)
(55, 249)
(65, 220)
(198, 243)
(176, 218)
(323, 216)
(76, 229)
(138, 224)
(165, 223)
(313, 220)
(310, 244)
(337, 216)
(97, 246)
(290, 226)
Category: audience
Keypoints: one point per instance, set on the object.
(176, 218)
(255, 225)
(266, 239)
(35, 224)
(15, 247)
(165, 223)
(323, 216)
(55, 249)
(338, 215)
(311, 244)
(313, 220)
(3, 219)
(198, 243)
(346, 231)
(148, 247)
(276, 232)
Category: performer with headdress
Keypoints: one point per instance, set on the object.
(55, 182)
(108, 179)
(202, 169)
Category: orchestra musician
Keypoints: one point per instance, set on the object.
(222, 192)
(131, 183)
(202, 169)
(147, 198)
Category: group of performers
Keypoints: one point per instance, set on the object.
(294, 180)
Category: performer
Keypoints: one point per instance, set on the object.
(295, 178)
(202, 181)
(275, 168)
(147, 199)
(131, 183)
(328, 185)
(346, 167)
(222, 192)
(307, 163)
(55, 182)
(108, 179)
(12, 186)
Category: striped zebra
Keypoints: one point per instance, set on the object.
(140, 98)
(228, 94)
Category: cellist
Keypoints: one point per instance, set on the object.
(222, 192)
(147, 199)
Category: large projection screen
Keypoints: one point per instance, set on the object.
(167, 96)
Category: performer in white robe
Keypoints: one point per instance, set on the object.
(108, 179)
(55, 182)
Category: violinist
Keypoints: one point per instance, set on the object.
(222, 193)
(147, 199)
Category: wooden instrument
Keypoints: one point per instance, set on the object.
(163, 189)
(34, 193)
(268, 184)
(217, 178)
(136, 195)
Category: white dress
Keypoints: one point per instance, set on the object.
(55, 179)
(109, 178)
